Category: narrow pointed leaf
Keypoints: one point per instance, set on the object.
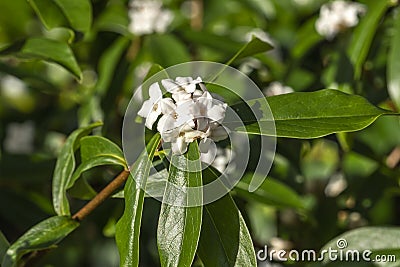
(4, 245)
(179, 226)
(97, 151)
(364, 34)
(225, 239)
(65, 167)
(44, 235)
(309, 114)
(75, 14)
(394, 62)
(128, 227)
(255, 46)
(46, 49)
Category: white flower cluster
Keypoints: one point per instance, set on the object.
(192, 113)
(148, 16)
(337, 16)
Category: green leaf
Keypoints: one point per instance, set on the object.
(178, 226)
(271, 192)
(75, 14)
(379, 240)
(114, 18)
(166, 49)
(65, 167)
(44, 235)
(306, 38)
(108, 63)
(48, 50)
(255, 46)
(220, 43)
(4, 245)
(309, 114)
(225, 239)
(364, 34)
(97, 151)
(128, 227)
(393, 68)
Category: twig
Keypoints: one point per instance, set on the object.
(101, 196)
(107, 191)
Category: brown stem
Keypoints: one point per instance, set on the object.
(101, 196)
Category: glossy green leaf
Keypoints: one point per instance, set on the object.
(75, 14)
(309, 114)
(4, 245)
(225, 239)
(364, 34)
(97, 151)
(44, 235)
(65, 167)
(271, 192)
(128, 227)
(378, 240)
(46, 49)
(393, 68)
(178, 226)
(108, 63)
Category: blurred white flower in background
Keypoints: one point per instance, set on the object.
(277, 88)
(19, 138)
(148, 16)
(192, 113)
(337, 16)
(336, 185)
(12, 87)
(15, 93)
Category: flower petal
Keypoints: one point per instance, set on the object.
(155, 92)
(217, 113)
(146, 108)
(151, 119)
(170, 85)
(167, 105)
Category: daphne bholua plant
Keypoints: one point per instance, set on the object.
(191, 113)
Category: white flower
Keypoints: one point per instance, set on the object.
(182, 89)
(277, 88)
(148, 16)
(156, 105)
(191, 114)
(337, 16)
(12, 87)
